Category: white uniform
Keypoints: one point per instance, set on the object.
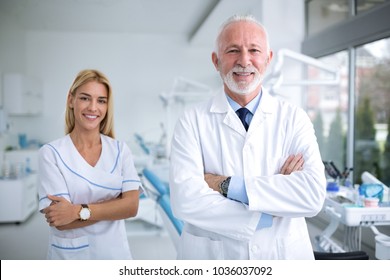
(211, 139)
(64, 172)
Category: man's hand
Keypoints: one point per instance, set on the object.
(214, 181)
(293, 163)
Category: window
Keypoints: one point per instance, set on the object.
(372, 141)
(366, 5)
(325, 13)
(358, 108)
(328, 109)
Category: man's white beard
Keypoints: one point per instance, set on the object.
(242, 88)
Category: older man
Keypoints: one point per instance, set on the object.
(245, 167)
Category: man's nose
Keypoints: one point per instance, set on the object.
(244, 59)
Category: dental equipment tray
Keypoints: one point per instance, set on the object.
(352, 215)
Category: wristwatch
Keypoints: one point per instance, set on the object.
(85, 212)
(224, 186)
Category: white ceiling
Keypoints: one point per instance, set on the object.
(196, 19)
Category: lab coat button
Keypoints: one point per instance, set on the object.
(255, 248)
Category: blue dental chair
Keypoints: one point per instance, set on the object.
(159, 191)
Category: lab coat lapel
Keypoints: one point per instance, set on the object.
(264, 110)
(220, 105)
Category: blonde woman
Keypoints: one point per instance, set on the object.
(88, 182)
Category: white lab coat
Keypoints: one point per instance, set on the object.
(64, 172)
(210, 138)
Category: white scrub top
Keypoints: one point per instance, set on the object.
(64, 172)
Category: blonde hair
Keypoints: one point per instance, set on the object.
(83, 77)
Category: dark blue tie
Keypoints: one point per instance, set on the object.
(242, 112)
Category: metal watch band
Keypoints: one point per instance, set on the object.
(224, 186)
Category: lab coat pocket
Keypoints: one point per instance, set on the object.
(69, 248)
(295, 248)
(200, 248)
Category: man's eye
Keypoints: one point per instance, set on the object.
(232, 51)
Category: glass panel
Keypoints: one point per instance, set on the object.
(328, 108)
(365, 5)
(320, 86)
(372, 141)
(324, 13)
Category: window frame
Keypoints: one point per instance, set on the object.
(357, 30)
(347, 35)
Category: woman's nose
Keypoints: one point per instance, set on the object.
(92, 105)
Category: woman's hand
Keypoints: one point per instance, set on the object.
(60, 212)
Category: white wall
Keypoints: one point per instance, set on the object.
(285, 22)
(139, 66)
(12, 45)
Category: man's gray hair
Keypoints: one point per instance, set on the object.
(237, 18)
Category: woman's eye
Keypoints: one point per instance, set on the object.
(83, 98)
(102, 101)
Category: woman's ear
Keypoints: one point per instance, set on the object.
(70, 100)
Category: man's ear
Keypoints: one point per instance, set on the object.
(215, 60)
(270, 55)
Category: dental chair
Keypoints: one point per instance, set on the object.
(159, 191)
(158, 186)
(173, 225)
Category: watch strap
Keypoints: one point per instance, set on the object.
(224, 186)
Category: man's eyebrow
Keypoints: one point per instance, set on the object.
(232, 46)
(253, 45)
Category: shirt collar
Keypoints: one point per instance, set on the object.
(251, 106)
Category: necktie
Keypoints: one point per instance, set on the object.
(242, 112)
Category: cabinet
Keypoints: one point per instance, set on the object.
(18, 198)
(21, 156)
(22, 94)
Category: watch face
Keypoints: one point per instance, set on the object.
(85, 213)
